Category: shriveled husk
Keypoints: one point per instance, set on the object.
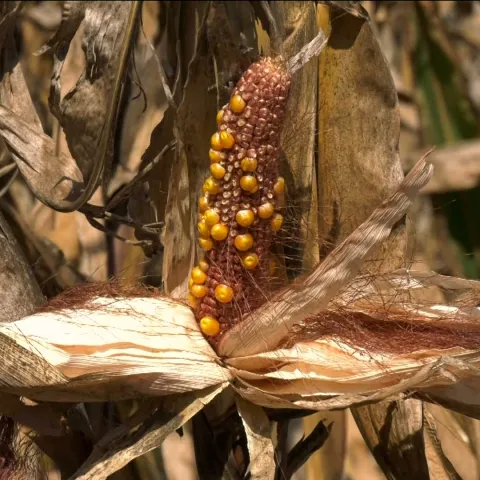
(131, 346)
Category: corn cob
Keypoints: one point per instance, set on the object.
(239, 210)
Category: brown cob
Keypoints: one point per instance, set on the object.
(238, 212)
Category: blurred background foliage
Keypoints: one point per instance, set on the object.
(433, 51)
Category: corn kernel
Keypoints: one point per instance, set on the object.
(219, 231)
(198, 276)
(211, 217)
(226, 140)
(248, 183)
(276, 222)
(192, 301)
(217, 171)
(243, 242)
(215, 141)
(210, 326)
(215, 156)
(203, 229)
(202, 204)
(237, 104)
(250, 260)
(224, 293)
(245, 218)
(191, 283)
(206, 244)
(220, 116)
(198, 291)
(211, 186)
(279, 186)
(265, 210)
(249, 164)
(204, 266)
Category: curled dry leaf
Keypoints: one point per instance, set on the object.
(65, 183)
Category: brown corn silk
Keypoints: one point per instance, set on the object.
(253, 117)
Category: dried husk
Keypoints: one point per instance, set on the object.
(114, 348)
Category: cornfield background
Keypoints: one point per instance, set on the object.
(127, 87)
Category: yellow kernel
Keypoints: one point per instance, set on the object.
(248, 183)
(265, 210)
(198, 276)
(211, 217)
(276, 222)
(226, 140)
(217, 171)
(204, 266)
(219, 231)
(223, 293)
(198, 291)
(220, 117)
(192, 301)
(211, 186)
(243, 242)
(215, 156)
(191, 283)
(215, 141)
(249, 164)
(202, 204)
(245, 218)
(203, 229)
(237, 104)
(210, 326)
(206, 244)
(279, 186)
(250, 260)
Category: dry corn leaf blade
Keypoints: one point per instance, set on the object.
(19, 291)
(440, 467)
(109, 458)
(192, 142)
(453, 440)
(54, 179)
(457, 167)
(266, 327)
(259, 440)
(394, 434)
(51, 178)
(87, 113)
(298, 18)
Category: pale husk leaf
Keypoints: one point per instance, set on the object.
(114, 348)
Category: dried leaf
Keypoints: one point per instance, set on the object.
(456, 168)
(107, 458)
(19, 291)
(50, 177)
(439, 465)
(111, 350)
(265, 328)
(91, 106)
(298, 18)
(55, 180)
(259, 440)
(394, 434)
